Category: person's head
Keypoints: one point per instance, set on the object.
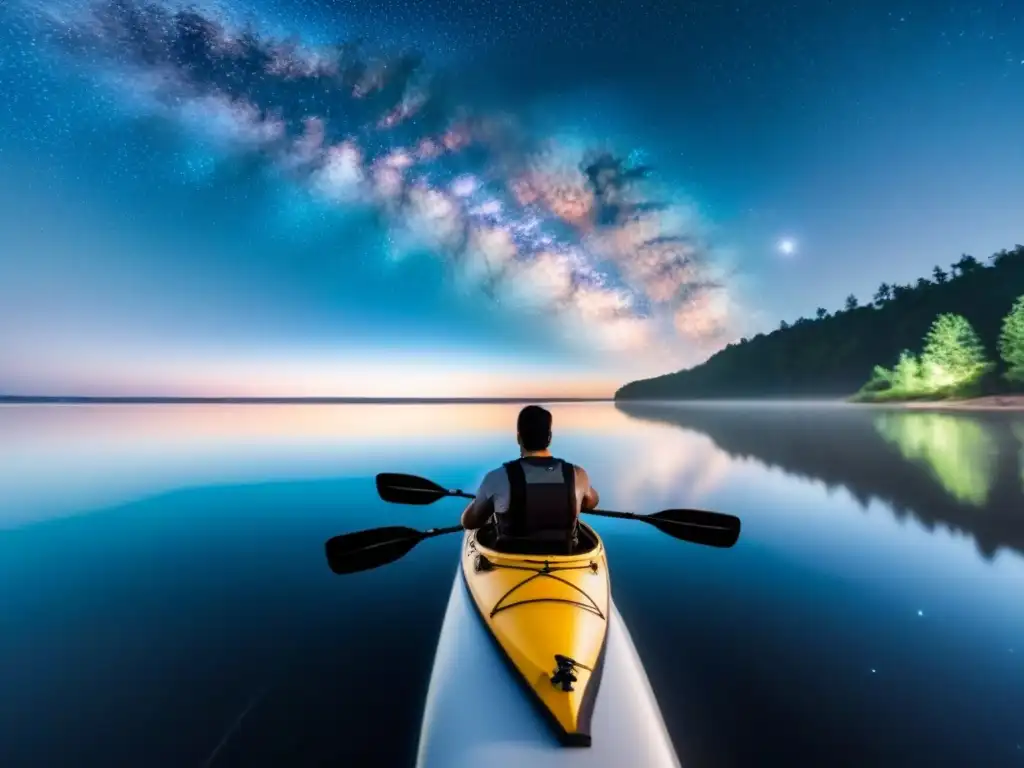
(533, 429)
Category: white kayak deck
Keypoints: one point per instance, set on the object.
(477, 714)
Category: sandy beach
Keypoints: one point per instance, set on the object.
(990, 403)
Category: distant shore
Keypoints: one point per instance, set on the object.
(989, 403)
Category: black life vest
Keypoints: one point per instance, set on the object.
(542, 508)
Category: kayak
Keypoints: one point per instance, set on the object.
(534, 660)
(549, 618)
(535, 667)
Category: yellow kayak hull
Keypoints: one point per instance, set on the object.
(548, 615)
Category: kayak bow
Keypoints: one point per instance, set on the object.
(476, 713)
(549, 617)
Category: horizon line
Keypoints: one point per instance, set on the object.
(327, 400)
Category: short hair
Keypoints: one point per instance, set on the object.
(534, 427)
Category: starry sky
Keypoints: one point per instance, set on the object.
(452, 198)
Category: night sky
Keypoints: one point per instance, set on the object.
(478, 198)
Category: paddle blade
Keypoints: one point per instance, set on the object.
(408, 489)
(713, 529)
(361, 551)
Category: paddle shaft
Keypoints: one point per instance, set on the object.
(697, 526)
(609, 513)
(650, 519)
(361, 551)
(432, 492)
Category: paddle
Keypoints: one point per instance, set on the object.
(698, 526)
(365, 550)
(410, 489)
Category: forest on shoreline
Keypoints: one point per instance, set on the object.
(958, 333)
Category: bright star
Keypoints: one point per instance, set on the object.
(787, 247)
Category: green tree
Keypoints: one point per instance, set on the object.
(821, 313)
(1011, 341)
(851, 303)
(881, 379)
(940, 275)
(907, 374)
(953, 353)
(881, 374)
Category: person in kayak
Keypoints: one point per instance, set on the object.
(536, 499)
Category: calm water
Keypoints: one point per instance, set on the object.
(162, 573)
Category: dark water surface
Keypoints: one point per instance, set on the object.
(162, 573)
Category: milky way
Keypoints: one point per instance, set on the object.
(577, 234)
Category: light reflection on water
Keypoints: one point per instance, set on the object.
(159, 566)
(960, 453)
(1018, 431)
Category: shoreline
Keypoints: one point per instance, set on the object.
(987, 403)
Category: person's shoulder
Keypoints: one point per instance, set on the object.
(496, 473)
(495, 477)
(583, 484)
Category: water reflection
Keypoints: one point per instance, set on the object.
(107, 455)
(939, 469)
(1018, 431)
(673, 467)
(960, 452)
(190, 580)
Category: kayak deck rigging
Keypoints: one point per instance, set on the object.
(563, 676)
(546, 570)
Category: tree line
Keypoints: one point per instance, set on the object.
(953, 363)
(835, 353)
